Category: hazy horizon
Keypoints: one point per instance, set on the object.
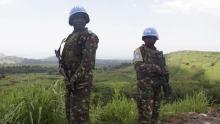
(33, 29)
(5, 55)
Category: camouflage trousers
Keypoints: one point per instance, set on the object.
(77, 106)
(148, 101)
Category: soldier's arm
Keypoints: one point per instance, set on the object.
(147, 68)
(88, 57)
(141, 66)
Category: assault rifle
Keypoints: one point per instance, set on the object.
(165, 75)
(62, 66)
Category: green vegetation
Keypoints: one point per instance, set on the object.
(195, 71)
(14, 69)
(33, 104)
(120, 110)
(195, 103)
(40, 104)
(37, 97)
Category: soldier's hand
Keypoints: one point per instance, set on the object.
(72, 81)
(68, 87)
(168, 99)
(158, 69)
(168, 96)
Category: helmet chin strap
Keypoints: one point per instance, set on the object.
(79, 29)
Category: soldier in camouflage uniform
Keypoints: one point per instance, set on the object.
(78, 59)
(152, 73)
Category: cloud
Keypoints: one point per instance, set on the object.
(5, 2)
(211, 7)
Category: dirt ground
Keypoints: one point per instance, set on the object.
(212, 117)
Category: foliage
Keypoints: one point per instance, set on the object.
(27, 69)
(195, 103)
(37, 103)
(30, 97)
(120, 110)
(33, 104)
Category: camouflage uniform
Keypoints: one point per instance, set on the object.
(79, 59)
(149, 76)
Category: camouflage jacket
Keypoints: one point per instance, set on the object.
(79, 53)
(149, 63)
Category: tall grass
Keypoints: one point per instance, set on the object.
(33, 104)
(120, 110)
(124, 111)
(195, 103)
(40, 104)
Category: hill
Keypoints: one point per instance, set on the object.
(195, 64)
(190, 72)
(53, 61)
(191, 77)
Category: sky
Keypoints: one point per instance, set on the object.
(34, 28)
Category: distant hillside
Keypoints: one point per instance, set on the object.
(10, 60)
(20, 60)
(195, 63)
(53, 60)
(190, 72)
(191, 66)
(209, 62)
(2, 55)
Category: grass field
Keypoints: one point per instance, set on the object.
(37, 98)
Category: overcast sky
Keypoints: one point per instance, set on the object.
(34, 28)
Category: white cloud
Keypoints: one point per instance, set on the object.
(211, 7)
(5, 2)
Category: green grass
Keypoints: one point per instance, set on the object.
(120, 110)
(192, 61)
(195, 103)
(33, 104)
(114, 75)
(21, 80)
(38, 98)
(37, 104)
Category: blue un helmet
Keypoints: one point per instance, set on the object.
(78, 9)
(150, 32)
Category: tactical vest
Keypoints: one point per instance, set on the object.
(151, 56)
(72, 51)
